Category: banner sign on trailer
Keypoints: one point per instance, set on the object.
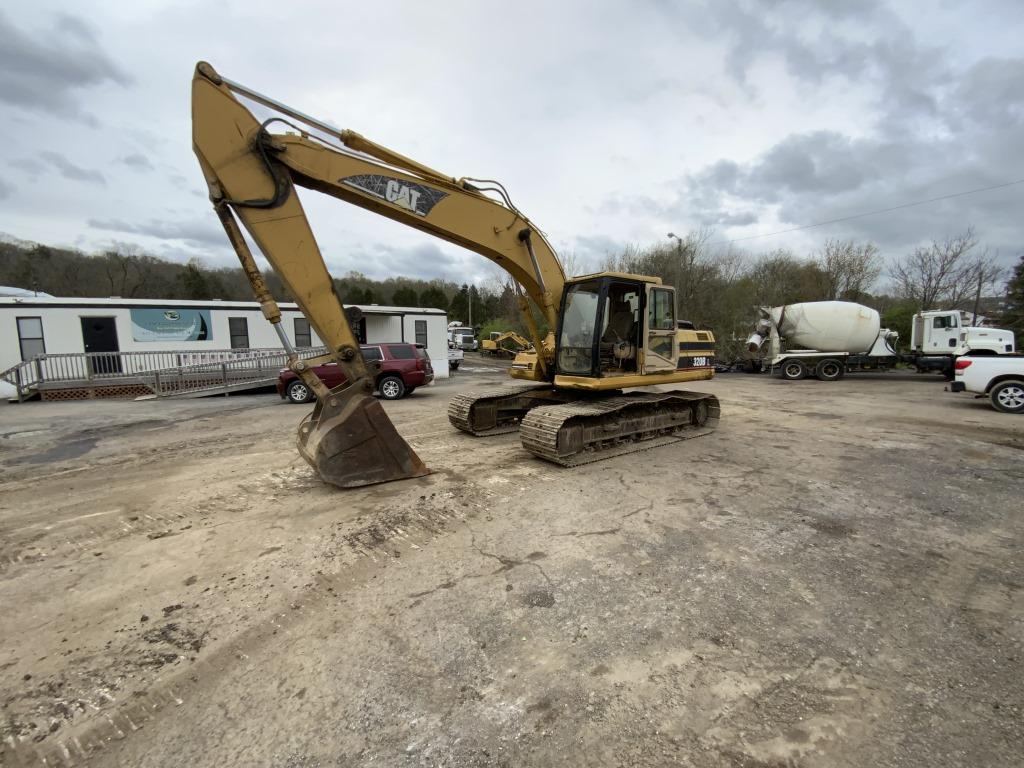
(171, 325)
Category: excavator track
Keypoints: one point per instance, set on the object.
(495, 411)
(590, 430)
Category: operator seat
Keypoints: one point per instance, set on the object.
(621, 325)
(620, 336)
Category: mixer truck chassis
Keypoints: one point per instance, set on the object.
(832, 366)
(840, 337)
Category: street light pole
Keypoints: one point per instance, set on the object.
(679, 244)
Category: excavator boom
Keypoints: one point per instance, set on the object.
(252, 174)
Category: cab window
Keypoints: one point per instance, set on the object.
(660, 312)
(579, 313)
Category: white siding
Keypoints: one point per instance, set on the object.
(381, 328)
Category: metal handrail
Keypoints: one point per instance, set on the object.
(89, 367)
(221, 374)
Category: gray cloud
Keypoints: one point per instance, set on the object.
(44, 72)
(813, 40)
(6, 190)
(593, 250)
(810, 178)
(69, 170)
(137, 161)
(743, 115)
(935, 130)
(198, 233)
(29, 165)
(426, 261)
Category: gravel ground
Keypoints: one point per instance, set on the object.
(833, 578)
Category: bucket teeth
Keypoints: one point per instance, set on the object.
(350, 441)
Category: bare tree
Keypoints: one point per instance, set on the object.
(572, 264)
(128, 272)
(979, 275)
(849, 269)
(941, 272)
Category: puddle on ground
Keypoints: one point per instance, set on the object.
(61, 452)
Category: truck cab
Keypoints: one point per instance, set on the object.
(942, 332)
(462, 336)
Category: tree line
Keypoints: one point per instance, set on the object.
(129, 273)
(717, 287)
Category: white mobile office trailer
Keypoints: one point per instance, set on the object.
(31, 326)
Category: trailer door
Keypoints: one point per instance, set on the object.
(99, 336)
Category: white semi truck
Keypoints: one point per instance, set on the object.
(462, 336)
(829, 339)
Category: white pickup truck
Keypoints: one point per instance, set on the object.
(455, 356)
(1001, 377)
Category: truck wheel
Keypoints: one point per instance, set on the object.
(829, 369)
(299, 393)
(391, 387)
(453, 366)
(794, 370)
(1008, 396)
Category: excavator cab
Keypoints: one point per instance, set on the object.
(616, 325)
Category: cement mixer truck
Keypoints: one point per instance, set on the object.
(828, 339)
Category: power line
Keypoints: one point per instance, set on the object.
(870, 213)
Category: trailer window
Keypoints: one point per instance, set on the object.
(238, 327)
(303, 338)
(421, 332)
(30, 337)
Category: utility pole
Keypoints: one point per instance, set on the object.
(977, 295)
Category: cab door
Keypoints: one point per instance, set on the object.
(944, 333)
(660, 347)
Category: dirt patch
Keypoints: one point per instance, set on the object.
(175, 635)
(689, 605)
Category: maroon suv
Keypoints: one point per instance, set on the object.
(403, 367)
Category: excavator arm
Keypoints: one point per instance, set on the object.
(252, 174)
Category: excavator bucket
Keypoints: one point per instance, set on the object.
(350, 441)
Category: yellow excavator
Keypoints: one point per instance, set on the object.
(504, 344)
(608, 331)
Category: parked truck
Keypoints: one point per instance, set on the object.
(1000, 378)
(462, 336)
(829, 339)
(455, 356)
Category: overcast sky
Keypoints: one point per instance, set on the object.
(610, 123)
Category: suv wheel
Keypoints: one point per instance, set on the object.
(1008, 396)
(391, 387)
(298, 392)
